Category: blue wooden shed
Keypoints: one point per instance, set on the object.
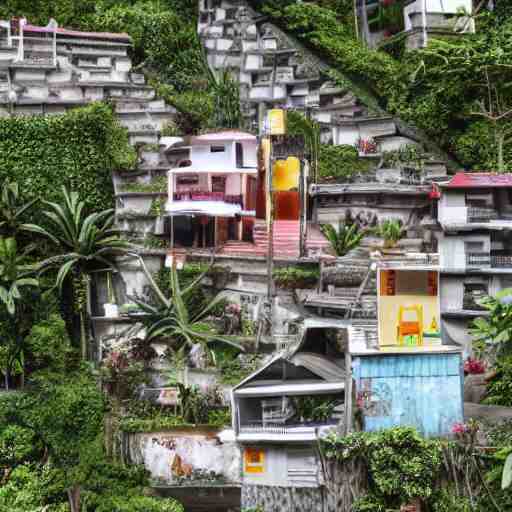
(423, 390)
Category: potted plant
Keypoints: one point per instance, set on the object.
(391, 231)
(111, 309)
(150, 154)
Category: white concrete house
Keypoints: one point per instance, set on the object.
(212, 187)
(475, 213)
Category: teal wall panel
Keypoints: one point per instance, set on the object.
(420, 390)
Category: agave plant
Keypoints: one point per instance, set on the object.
(83, 243)
(12, 209)
(171, 321)
(343, 239)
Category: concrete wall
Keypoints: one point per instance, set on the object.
(166, 455)
(452, 207)
(452, 249)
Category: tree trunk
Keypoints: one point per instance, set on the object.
(74, 498)
(6, 379)
(83, 333)
(500, 140)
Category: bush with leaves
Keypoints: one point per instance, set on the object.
(402, 466)
(48, 346)
(339, 163)
(492, 336)
(79, 149)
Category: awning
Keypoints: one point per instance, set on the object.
(292, 389)
(209, 208)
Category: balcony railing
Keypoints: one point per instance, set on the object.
(484, 259)
(208, 196)
(477, 214)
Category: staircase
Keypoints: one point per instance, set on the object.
(287, 239)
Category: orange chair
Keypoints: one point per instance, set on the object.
(408, 327)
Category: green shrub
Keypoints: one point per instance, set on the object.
(499, 386)
(17, 445)
(79, 149)
(296, 277)
(341, 162)
(401, 465)
(137, 504)
(48, 345)
(165, 40)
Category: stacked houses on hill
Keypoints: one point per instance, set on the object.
(379, 341)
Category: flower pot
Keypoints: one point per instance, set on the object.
(159, 226)
(111, 310)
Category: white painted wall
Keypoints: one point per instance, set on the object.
(451, 293)
(452, 249)
(279, 466)
(452, 207)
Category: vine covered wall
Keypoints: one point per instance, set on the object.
(79, 149)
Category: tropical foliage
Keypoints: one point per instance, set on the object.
(343, 239)
(168, 319)
(13, 210)
(493, 335)
(83, 242)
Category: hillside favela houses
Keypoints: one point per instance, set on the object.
(272, 309)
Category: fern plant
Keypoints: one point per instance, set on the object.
(343, 239)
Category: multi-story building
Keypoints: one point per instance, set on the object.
(417, 20)
(475, 214)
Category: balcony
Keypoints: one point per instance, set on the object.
(486, 260)
(208, 196)
(480, 214)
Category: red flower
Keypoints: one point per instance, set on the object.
(474, 366)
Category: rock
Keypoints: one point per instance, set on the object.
(474, 388)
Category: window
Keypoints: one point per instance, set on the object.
(473, 247)
(218, 184)
(217, 149)
(239, 155)
(254, 460)
(472, 294)
(188, 180)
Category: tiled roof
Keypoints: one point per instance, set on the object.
(76, 33)
(480, 180)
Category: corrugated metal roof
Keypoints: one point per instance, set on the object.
(418, 365)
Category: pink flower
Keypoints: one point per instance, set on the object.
(459, 428)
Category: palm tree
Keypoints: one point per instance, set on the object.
(170, 319)
(15, 276)
(84, 242)
(12, 209)
(344, 239)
